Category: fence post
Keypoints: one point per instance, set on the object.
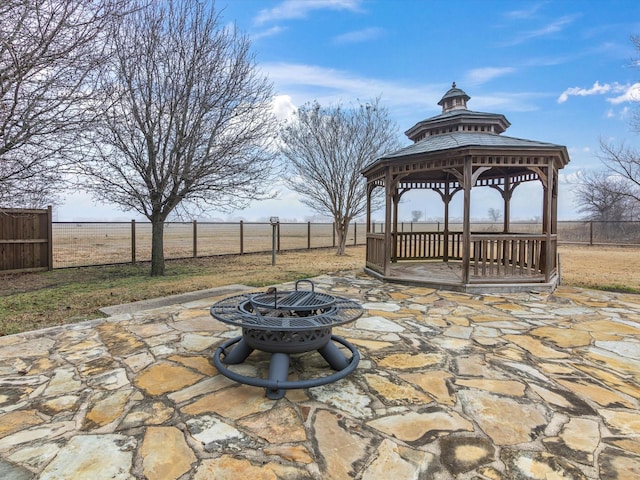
(278, 228)
(591, 233)
(308, 235)
(195, 238)
(355, 233)
(133, 242)
(50, 239)
(334, 234)
(241, 237)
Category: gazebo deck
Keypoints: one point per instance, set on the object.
(448, 275)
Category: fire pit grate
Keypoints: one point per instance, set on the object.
(283, 323)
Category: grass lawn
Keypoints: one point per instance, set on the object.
(38, 300)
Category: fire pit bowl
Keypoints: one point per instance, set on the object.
(283, 323)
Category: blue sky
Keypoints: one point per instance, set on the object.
(560, 71)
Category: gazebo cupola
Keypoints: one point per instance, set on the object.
(454, 99)
(455, 117)
(454, 152)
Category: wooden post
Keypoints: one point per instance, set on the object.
(548, 202)
(334, 233)
(466, 237)
(308, 235)
(133, 242)
(506, 197)
(241, 237)
(195, 238)
(394, 228)
(447, 199)
(591, 233)
(388, 202)
(50, 238)
(278, 229)
(355, 233)
(367, 228)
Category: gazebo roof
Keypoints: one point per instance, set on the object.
(452, 118)
(447, 141)
(457, 132)
(460, 143)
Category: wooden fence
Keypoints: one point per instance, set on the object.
(25, 240)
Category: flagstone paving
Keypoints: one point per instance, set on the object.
(449, 386)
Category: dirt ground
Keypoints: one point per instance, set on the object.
(600, 267)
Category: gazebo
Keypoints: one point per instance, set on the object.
(459, 151)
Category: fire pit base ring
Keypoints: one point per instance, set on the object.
(277, 382)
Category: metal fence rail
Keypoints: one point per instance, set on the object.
(98, 243)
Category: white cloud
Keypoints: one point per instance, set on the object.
(327, 85)
(525, 13)
(630, 93)
(627, 92)
(291, 9)
(597, 89)
(283, 107)
(544, 31)
(270, 32)
(359, 36)
(478, 76)
(409, 102)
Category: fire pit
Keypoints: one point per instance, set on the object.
(282, 323)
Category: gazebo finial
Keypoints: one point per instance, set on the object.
(453, 85)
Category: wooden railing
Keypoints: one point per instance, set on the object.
(493, 257)
(428, 245)
(375, 251)
(512, 256)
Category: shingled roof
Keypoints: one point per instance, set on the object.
(447, 141)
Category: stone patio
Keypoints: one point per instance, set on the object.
(450, 385)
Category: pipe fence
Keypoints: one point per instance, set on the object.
(99, 243)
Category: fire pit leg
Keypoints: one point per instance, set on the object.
(334, 357)
(278, 372)
(238, 354)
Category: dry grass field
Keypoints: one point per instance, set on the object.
(604, 267)
(96, 243)
(37, 300)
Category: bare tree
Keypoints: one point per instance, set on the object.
(604, 196)
(416, 215)
(186, 118)
(49, 52)
(326, 149)
(495, 214)
(623, 162)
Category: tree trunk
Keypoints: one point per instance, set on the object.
(342, 228)
(157, 246)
